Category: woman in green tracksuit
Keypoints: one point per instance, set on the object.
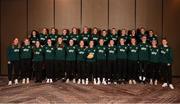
(49, 53)
(166, 57)
(111, 63)
(38, 61)
(53, 36)
(43, 36)
(65, 36)
(91, 62)
(60, 59)
(143, 59)
(121, 70)
(75, 36)
(85, 35)
(105, 37)
(101, 62)
(13, 61)
(113, 35)
(154, 63)
(124, 35)
(95, 36)
(71, 62)
(81, 64)
(33, 37)
(132, 61)
(26, 64)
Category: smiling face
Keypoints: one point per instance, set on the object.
(60, 40)
(101, 42)
(122, 41)
(26, 42)
(37, 44)
(74, 30)
(64, 32)
(71, 42)
(53, 31)
(95, 31)
(111, 42)
(44, 31)
(144, 38)
(133, 41)
(49, 42)
(164, 42)
(16, 41)
(154, 43)
(81, 43)
(91, 43)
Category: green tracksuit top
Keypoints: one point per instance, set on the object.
(33, 39)
(13, 53)
(133, 52)
(93, 51)
(49, 52)
(38, 54)
(101, 52)
(71, 53)
(144, 51)
(53, 37)
(113, 37)
(75, 37)
(26, 52)
(85, 37)
(166, 55)
(154, 55)
(43, 38)
(81, 54)
(122, 51)
(111, 53)
(60, 51)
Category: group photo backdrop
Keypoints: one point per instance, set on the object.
(20, 17)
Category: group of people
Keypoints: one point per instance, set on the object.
(92, 55)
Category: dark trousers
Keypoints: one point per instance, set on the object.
(49, 66)
(121, 72)
(153, 71)
(60, 68)
(91, 70)
(143, 69)
(111, 70)
(71, 69)
(132, 69)
(38, 70)
(101, 68)
(26, 68)
(166, 72)
(13, 65)
(81, 70)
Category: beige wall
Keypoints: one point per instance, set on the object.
(21, 16)
(171, 28)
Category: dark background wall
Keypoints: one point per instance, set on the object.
(19, 17)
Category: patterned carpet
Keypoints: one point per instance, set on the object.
(59, 92)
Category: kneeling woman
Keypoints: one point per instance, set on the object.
(13, 61)
(166, 63)
(38, 61)
(49, 60)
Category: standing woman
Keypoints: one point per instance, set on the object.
(33, 37)
(38, 61)
(26, 65)
(13, 61)
(113, 36)
(75, 36)
(124, 35)
(43, 36)
(105, 37)
(49, 60)
(154, 63)
(121, 70)
(95, 36)
(65, 36)
(101, 62)
(132, 61)
(71, 62)
(81, 64)
(166, 57)
(131, 35)
(152, 36)
(111, 62)
(85, 36)
(53, 36)
(91, 62)
(60, 59)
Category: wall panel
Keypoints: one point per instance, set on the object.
(40, 14)
(13, 24)
(149, 14)
(67, 14)
(122, 14)
(95, 13)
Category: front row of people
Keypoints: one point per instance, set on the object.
(82, 64)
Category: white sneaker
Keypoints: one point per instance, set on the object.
(67, 80)
(104, 81)
(87, 81)
(171, 86)
(155, 82)
(134, 82)
(130, 81)
(115, 83)
(50, 81)
(27, 80)
(140, 78)
(10, 83)
(47, 81)
(98, 82)
(151, 82)
(23, 81)
(16, 81)
(74, 80)
(94, 81)
(144, 78)
(79, 81)
(83, 82)
(164, 85)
